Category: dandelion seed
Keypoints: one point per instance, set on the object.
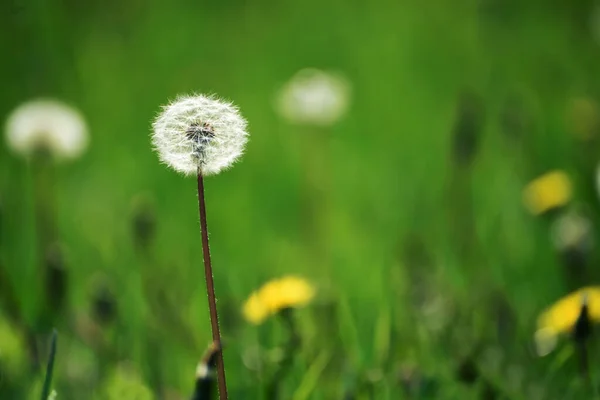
(47, 125)
(277, 295)
(561, 318)
(549, 191)
(314, 97)
(199, 133)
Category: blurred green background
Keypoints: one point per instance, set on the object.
(425, 261)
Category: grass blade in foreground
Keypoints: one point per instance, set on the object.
(50, 367)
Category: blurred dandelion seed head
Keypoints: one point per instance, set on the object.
(80, 364)
(572, 230)
(436, 312)
(199, 133)
(277, 295)
(560, 318)
(252, 357)
(47, 125)
(549, 191)
(314, 97)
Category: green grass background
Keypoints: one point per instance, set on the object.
(397, 207)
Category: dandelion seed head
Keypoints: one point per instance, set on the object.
(314, 97)
(48, 125)
(199, 133)
(572, 230)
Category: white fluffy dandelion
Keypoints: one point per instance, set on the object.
(572, 230)
(202, 135)
(199, 134)
(314, 97)
(47, 125)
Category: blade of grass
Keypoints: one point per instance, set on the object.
(311, 378)
(50, 367)
(381, 342)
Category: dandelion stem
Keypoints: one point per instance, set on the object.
(289, 351)
(210, 289)
(584, 365)
(43, 192)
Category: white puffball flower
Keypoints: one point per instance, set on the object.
(46, 124)
(572, 230)
(314, 97)
(199, 134)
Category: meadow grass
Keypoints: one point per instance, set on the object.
(401, 212)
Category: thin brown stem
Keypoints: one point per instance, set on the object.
(210, 289)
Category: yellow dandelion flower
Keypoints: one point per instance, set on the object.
(549, 191)
(560, 318)
(276, 295)
(254, 310)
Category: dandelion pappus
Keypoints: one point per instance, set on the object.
(201, 135)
